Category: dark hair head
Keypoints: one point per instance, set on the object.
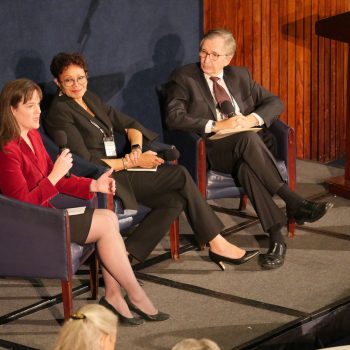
(63, 60)
(13, 93)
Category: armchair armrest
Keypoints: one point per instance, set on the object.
(286, 148)
(33, 240)
(62, 201)
(188, 145)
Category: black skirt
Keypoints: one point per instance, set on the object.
(80, 226)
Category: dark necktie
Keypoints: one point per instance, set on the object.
(221, 96)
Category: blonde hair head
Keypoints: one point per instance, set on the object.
(84, 330)
(195, 344)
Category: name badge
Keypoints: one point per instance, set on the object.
(110, 148)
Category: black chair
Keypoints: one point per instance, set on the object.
(35, 243)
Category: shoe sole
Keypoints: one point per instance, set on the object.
(302, 222)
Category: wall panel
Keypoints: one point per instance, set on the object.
(130, 46)
(276, 40)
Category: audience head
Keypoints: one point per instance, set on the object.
(195, 344)
(217, 49)
(93, 327)
(70, 73)
(13, 96)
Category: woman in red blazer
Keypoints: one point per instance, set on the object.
(28, 174)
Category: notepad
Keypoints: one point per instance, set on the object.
(227, 132)
(142, 169)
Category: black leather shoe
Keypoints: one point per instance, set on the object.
(218, 259)
(130, 321)
(274, 257)
(310, 211)
(160, 316)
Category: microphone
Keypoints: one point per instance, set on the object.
(226, 108)
(60, 138)
(169, 154)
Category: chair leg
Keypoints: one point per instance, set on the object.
(243, 202)
(67, 298)
(94, 276)
(174, 239)
(291, 228)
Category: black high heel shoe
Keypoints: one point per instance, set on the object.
(160, 316)
(218, 259)
(130, 321)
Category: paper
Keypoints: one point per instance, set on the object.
(76, 211)
(227, 132)
(142, 169)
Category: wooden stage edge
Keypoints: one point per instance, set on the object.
(339, 186)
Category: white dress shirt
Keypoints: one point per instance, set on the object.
(219, 115)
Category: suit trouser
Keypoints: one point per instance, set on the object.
(248, 160)
(169, 191)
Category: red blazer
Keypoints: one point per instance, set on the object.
(23, 174)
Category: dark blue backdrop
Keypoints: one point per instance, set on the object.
(131, 45)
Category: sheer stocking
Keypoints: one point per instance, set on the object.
(117, 271)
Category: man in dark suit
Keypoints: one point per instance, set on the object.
(210, 96)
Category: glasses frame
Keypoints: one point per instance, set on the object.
(81, 80)
(213, 56)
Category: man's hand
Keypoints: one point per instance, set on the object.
(237, 122)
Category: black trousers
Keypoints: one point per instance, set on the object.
(246, 157)
(169, 191)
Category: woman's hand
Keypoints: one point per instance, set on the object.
(133, 157)
(63, 164)
(104, 184)
(148, 160)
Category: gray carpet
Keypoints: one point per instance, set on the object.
(231, 307)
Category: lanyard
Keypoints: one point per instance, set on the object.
(99, 128)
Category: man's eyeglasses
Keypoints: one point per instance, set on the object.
(213, 56)
(69, 82)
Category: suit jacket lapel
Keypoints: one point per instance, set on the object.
(37, 159)
(100, 114)
(203, 88)
(233, 87)
(81, 111)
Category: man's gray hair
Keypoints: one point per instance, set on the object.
(230, 42)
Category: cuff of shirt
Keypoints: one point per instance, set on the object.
(260, 120)
(208, 126)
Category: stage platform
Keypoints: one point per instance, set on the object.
(302, 305)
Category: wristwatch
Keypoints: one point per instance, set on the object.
(213, 125)
(136, 146)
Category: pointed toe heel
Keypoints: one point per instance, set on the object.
(220, 259)
(129, 321)
(217, 259)
(160, 316)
